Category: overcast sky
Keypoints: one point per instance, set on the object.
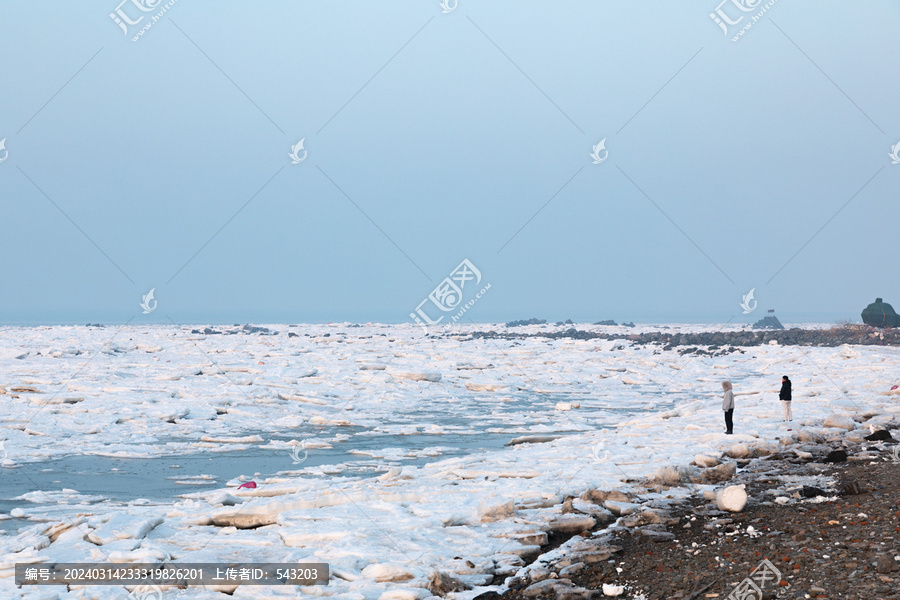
(431, 137)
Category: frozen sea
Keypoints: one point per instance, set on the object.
(369, 445)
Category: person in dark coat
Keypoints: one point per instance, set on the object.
(785, 397)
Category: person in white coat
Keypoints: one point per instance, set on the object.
(728, 406)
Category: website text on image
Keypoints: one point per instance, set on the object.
(448, 295)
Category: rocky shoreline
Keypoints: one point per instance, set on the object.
(718, 341)
(822, 506)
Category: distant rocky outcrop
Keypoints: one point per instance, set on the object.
(880, 314)
(531, 321)
(237, 329)
(609, 323)
(770, 322)
(723, 342)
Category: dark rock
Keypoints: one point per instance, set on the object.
(836, 456)
(851, 487)
(880, 436)
(628, 324)
(809, 491)
(255, 329)
(880, 314)
(532, 321)
(609, 323)
(492, 595)
(292, 334)
(770, 322)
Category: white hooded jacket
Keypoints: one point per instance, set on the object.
(728, 400)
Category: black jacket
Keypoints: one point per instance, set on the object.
(785, 393)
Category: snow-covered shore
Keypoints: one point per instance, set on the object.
(622, 411)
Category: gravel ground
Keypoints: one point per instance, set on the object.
(838, 539)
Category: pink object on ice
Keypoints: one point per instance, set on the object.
(894, 387)
(249, 484)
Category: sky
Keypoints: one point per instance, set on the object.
(437, 134)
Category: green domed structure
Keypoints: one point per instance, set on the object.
(880, 314)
